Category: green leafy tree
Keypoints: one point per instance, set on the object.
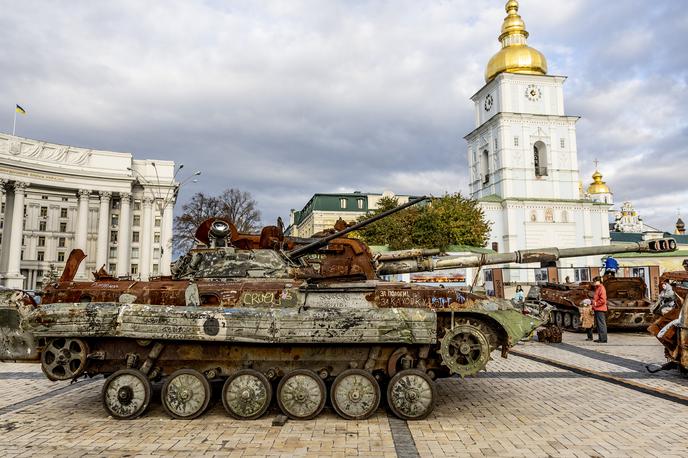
(448, 220)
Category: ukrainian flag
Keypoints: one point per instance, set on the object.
(20, 110)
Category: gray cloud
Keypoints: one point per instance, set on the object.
(284, 99)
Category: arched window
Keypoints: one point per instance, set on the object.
(485, 166)
(540, 159)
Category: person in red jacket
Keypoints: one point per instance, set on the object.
(599, 306)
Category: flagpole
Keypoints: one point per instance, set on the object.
(14, 124)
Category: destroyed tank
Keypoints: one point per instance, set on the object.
(671, 328)
(627, 301)
(263, 314)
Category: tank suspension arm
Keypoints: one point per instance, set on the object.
(424, 264)
(311, 247)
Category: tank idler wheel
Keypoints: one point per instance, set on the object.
(126, 394)
(355, 394)
(411, 395)
(567, 320)
(64, 358)
(246, 394)
(465, 350)
(301, 394)
(185, 394)
(558, 319)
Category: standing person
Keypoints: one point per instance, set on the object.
(611, 266)
(519, 296)
(599, 306)
(587, 317)
(667, 297)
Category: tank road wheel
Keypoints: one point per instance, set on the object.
(64, 358)
(465, 350)
(558, 319)
(355, 394)
(301, 394)
(575, 322)
(411, 395)
(567, 320)
(185, 394)
(126, 394)
(246, 394)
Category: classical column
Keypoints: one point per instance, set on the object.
(5, 232)
(103, 230)
(146, 238)
(124, 234)
(14, 278)
(166, 239)
(81, 233)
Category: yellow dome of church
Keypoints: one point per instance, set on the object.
(598, 186)
(515, 56)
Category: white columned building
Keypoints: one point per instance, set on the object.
(56, 198)
(522, 156)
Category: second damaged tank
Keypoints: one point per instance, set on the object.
(627, 302)
(269, 316)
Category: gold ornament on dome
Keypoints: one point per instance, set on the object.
(598, 186)
(515, 56)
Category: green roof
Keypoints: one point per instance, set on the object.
(332, 202)
(638, 237)
(672, 254)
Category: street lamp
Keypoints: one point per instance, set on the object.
(163, 202)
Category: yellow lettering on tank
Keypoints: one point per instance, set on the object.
(275, 298)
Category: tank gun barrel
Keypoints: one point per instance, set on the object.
(311, 247)
(390, 265)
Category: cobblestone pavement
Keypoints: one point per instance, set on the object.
(519, 408)
(624, 356)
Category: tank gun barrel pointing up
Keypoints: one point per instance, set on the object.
(304, 250)
(390, 265)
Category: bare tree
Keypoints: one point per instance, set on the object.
(237, 206)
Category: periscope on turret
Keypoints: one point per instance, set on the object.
(300, 320)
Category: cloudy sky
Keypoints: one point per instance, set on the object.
(287, 98)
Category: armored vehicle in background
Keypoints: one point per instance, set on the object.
(671, 329)
(266, 313)
(627, 301)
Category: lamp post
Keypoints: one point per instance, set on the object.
(162, 203)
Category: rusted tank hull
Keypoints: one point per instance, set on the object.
(247, 324)
(628, 308)
(16, 343)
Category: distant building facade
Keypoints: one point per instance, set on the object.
(323, 210)
(55, 198)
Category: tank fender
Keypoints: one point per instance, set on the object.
(511, 323)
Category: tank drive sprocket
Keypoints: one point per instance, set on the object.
(465, 349)
(64, 358)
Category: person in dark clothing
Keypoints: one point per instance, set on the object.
(599, 306)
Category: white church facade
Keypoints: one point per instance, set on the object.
(523, 160)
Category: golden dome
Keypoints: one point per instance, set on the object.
(598, 186)
(515, 56)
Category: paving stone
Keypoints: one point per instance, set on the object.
(519, 408)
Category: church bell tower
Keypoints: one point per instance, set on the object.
(522, 155)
